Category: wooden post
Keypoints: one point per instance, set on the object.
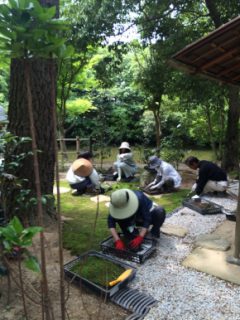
(235, 259)
(77, 145)
(237, 229)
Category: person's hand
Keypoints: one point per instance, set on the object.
(119, 245)
(152, 187)
(136, 242)
(193, 188)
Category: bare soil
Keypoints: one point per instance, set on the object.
(81, 304)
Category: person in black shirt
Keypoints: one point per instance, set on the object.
(211, 178)
(129, 209)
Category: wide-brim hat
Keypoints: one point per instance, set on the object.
(125, 145)
(82, 167)
(124, 203)
(154, 162)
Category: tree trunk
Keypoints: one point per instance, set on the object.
(210, 131)
(19, 125)
(157, 127)
(231, 154)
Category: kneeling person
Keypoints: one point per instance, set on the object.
(130, 209)
(211, 178)
(82, 177)
(167, 178)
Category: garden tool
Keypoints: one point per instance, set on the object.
(122, 277)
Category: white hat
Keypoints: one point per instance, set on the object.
(124, 203)
(125, 145)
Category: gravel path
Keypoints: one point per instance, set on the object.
(186, 294)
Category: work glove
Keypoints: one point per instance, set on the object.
(135, 243)
(119, 245)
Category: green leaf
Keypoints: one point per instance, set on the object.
(15, 222)
(13, 4)
(32, 264)
(7, 33)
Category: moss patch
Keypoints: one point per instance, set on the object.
(97, 270)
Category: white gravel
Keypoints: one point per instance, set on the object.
(185, 294)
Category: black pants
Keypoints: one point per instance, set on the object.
(158, 215)
(81, 187)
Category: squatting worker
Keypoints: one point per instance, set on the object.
(130, 209)
(167, 178)
(82, 177)
(125, 166)
(211, 178)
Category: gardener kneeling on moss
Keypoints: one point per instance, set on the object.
(130, 209)
(82, 177)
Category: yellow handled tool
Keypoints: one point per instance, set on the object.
(122, 277)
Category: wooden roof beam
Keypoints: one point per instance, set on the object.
(218, 59)
(227, 70)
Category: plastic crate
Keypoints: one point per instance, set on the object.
(211, 208)
(147, 248)
(104, 291)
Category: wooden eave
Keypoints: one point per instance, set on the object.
(216, 56)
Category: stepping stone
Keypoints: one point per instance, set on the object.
(174, 230)
(100, 198)
(214, 263)
(61, 190)
(63, 218)
(213, 242)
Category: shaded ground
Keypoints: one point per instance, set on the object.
(81, 305)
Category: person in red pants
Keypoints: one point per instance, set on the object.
(130, 209)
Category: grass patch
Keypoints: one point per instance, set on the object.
(171, 201)
(97, 270)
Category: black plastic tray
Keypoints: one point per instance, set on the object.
(106, 292)
(147, 248)
(215, 209)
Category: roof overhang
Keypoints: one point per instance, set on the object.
(216, 56)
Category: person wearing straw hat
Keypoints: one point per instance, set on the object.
(82, 177)
(129, 209)
(125, 167)
(167, 178)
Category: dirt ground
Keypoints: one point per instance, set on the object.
(81, 305)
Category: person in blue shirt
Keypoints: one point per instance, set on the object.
(129, 209)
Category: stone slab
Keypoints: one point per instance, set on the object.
(214, 263)
(174, 230)
(100, 198)
(212, 241)
(61, 190)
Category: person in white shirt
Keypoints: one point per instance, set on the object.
(167, 178)
(82, 177)
(125, 167)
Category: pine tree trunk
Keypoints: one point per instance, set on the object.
(19, 125)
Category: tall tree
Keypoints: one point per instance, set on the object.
(40, 72)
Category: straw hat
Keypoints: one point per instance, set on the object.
(124, 203)
(82, 167)
(125, 145)
(154, 162)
